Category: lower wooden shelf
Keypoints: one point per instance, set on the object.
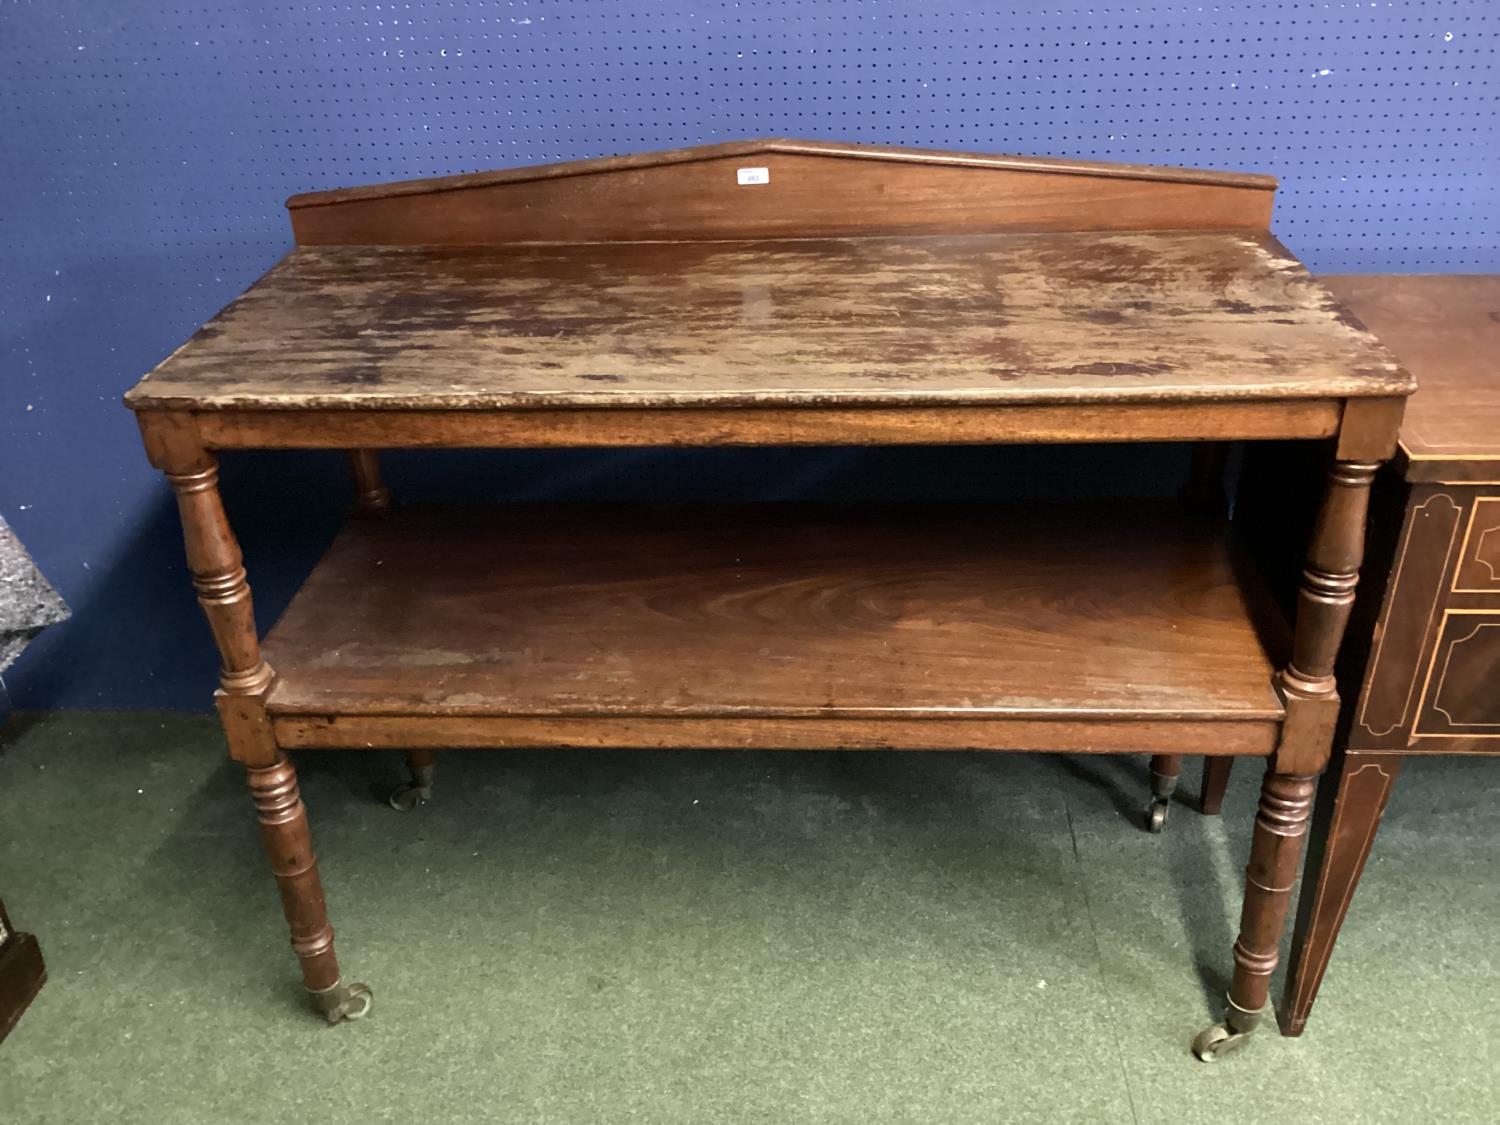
(1081, 628)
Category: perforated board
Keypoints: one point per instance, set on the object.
(146, 149)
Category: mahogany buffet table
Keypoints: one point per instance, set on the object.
(777, 293)
(1426, 649)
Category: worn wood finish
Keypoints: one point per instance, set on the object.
(938, 322)
(860, 297)
(1446, 329)
(812, 188)
(770, 611)
(1350, 804)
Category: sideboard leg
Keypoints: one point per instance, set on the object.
(1215, 783)
(1350, 805)
(371, 496)
(1280, 825)
(283, 830)
(1164, 771)
(418, 790)
(1310, 693)
(245, 679)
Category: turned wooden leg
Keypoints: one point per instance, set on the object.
(1350, 805)
(371, 496)
(1311, 696)
(218, 571)
(288, 843)
(1164, 771)
(418, 790)
(1216, 773)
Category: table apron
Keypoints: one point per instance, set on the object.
(1256, 738)
(752, 426)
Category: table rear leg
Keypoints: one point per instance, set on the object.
(1202, 495)
(418, 790)
(1215, 783)
(371, 496)
(1164, 771)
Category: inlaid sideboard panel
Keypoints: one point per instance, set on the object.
(1479, 557)
(1461, 690)
(1429, 684)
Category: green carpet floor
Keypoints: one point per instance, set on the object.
(712, 937)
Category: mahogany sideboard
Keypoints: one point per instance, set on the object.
(772, 293)
(1429, 668)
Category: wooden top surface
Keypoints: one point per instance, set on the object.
(1123, 612)
(1445, 328)
(1052, 317)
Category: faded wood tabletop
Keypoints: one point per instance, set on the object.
(1050, 317)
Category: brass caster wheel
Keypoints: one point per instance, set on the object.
(1156, 816)
(406, 797)
(1213, 1042)
(344, 1002)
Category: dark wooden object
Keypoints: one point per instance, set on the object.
(1427, 656)
(861, 296)
(22, 972)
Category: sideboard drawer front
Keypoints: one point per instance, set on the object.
(1479, 558)
(1461, 697)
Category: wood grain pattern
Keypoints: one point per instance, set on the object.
(1238, 738)
(762, 611)
(1446, 330)
(812, 188)
(989, 320)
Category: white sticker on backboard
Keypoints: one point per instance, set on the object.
(752, 175)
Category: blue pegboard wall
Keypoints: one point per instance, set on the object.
(146, 148)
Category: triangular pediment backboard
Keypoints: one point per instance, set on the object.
(781, 189)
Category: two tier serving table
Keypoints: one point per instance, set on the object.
(782, 293)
